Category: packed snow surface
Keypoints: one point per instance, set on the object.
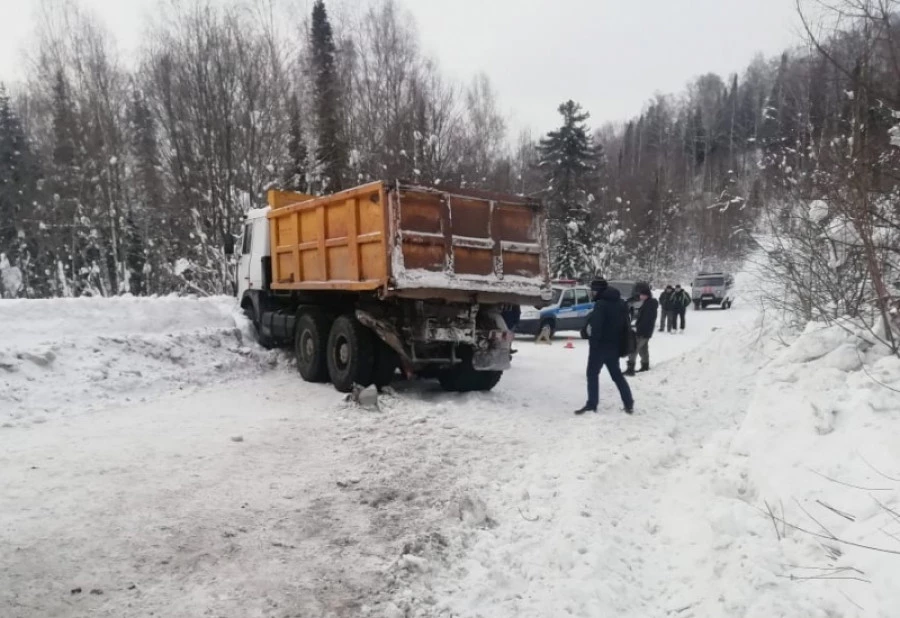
(758, 477)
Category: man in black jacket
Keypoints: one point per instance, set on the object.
(665, 300)
(609, 323)
(680, 301)
(643, 329)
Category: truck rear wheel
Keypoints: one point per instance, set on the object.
(386, 362)
(463, 378)
(351, 352)
(310, 346)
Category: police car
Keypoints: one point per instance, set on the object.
(568, 309)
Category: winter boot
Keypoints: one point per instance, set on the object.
(644, 368)
(586, 408)
(629, 409)
(630, 370)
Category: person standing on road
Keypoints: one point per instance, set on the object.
(609, 326)
(664, 300)
(680, 302)
(643, 329)
(511, 314)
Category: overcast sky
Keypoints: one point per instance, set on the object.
(609, 55)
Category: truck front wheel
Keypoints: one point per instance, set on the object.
(310, 345)
(351, 352)
(250, 314)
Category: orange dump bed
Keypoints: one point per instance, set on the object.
(410, 241)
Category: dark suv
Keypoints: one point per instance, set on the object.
(629, 292)
(628, 289)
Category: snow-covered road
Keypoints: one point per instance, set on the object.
(252, 493)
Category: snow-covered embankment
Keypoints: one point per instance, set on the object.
(63, 356)
(796, 513)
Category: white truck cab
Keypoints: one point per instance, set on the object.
(253, 247)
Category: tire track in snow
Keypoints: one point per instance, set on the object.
(579, 501)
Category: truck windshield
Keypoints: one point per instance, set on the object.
(709, 282)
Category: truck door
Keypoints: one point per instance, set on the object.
(244, 260)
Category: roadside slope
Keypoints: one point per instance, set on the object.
(62, 357)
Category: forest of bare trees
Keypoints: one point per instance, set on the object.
(133, 179)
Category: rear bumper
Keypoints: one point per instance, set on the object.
(710, 300)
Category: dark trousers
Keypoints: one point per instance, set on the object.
(679, 317)
(642, 349)
(599, 357)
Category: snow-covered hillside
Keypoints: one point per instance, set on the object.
(252, 493)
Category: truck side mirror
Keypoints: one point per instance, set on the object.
(229, 245)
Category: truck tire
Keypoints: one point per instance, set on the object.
(311, 345)
(463, 378)
(487, 380)
(386, 363)
(351, 354)
(250, 313)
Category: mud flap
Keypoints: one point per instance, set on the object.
(493, 352)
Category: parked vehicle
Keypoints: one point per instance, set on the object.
(393, 275)
(712, 288)
(628, 289)
(568, 309)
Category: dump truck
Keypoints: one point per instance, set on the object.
(390, 276)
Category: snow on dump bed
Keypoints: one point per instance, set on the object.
(64, 356)
(417, 278)
(510, 284)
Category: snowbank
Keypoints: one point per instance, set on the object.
(796, 513)
(29, 322)
(822, 438)
(64, 356)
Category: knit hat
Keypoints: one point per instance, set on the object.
(599, 284)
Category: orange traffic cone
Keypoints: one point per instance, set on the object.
(570, 345)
